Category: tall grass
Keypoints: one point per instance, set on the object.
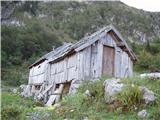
(78, 106)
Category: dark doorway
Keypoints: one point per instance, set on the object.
(66, 88)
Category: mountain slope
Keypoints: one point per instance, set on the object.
(30, 29)
(78, 18)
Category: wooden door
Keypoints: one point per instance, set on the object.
(108, 61)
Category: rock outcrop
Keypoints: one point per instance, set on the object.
(153, 76)
(148, 95)
(142, 114)
(112, 87)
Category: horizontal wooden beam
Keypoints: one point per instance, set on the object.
(120, 44)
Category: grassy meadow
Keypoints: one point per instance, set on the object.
(78, 106)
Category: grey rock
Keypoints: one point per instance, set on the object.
(22, 87)
(15, 90)
(148, 95)
(85, 118)
(153, 76)
(143, 114)
(87, 93)
(112, 87)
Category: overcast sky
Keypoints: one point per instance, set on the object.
(148, 5)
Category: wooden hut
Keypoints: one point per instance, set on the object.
(104, 52)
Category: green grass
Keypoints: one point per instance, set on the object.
(130, 97)
(78, 106)
(14, 107)
(154, 85)
(14, 99)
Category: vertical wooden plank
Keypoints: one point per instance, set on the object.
(124, 65)
(99, 58)
(86, 62)
(65, 68)
(81, 66)
(117, 62)
(94, 66)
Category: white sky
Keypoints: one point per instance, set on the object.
(148, 5)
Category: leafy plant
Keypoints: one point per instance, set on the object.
(11, 113)
(130, 96)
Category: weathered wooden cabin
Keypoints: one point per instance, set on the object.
(104, 52)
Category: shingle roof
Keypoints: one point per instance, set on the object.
(52, 54)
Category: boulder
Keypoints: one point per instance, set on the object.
(153, 76)
(112, 87)
(142, 114)
(15, 90)
(85, 118)
(148, 95)
(87, 93)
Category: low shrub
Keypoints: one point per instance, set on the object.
(11, 113)
(130, 97)
(38, 103)
(10, 99)
(14, 76)
(144, 60)
(96, 88)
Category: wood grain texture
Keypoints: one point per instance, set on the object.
(108, 60)
(103, 53)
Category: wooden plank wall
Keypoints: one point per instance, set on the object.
(123, 63)
(64, 70)
(84, 65)
(72, 67)
(94, 61)
(37, 74)
(118, 62)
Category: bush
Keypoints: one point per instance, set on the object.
(147, 61)
(130, 97)
(38, 103)
(14, 76)
(10, 99)
(144, 59)
(155, 63)
(11, 113)
(95, 87)
(148, 56)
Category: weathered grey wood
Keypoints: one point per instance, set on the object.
(99, 59)
(118, 60)
(87, 59)
(56, 96)
(108, 60)
(94, 53)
